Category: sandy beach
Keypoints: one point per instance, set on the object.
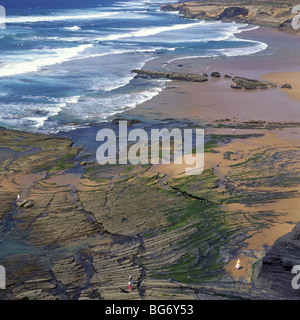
(282, 78)
(215, 100)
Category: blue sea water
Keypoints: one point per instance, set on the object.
(67, 63)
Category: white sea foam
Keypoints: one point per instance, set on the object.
(34, 114)
(38, 121)
(121, 51)
(110, 85)
(229, 52)
(33, 19)
(67, 100)
(145, 32)
(50, 110)
(111, 105)
(243, 51)
(34, 61)
(74, 28)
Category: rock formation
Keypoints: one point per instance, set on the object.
(215, 74)
(250, 84)
(286, 86)
(275, 274)
(171, 75)
(263, 13)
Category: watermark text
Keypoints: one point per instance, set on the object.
(2, 277)
(2, 17)
(295, 20)
(295, 281)
(159, 146)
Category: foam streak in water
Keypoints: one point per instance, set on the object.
(33, 19)
(35, 62)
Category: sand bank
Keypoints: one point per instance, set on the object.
(282, 78)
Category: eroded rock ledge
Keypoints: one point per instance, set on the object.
(250, 84)
(274, 14)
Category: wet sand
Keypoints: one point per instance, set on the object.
(282, 78)
(285, 211)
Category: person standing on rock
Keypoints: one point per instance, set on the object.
(130, 283)
(238, 264)
(18, 198)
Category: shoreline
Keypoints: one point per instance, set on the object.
(117, 227)
(250, 66)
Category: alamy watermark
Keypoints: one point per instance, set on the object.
(2, 17)
(159, 146)
(295, 281)
(2, 277)
(295, 20)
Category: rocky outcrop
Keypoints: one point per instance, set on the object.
(250, 84)
(92, 226)
(171, 75)
(269, 14)
(233, 12)
(239, 82)
(215, 74)
(26, 204)
(286, 86)
(275, 274)
(234, 86)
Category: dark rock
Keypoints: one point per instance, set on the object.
(236, 86)
(250, 84)
(216, 74)
(286, 86)
(232, 12)
(130, 122)
(275, 272)
(227, 76)
(26, 204)
(285, 24)
(171, 75)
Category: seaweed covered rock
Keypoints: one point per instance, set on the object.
(171, 75)
(215, 74)
(251, 84)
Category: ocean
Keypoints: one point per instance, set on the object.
(67, 64)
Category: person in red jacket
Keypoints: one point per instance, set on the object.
(130, 283)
